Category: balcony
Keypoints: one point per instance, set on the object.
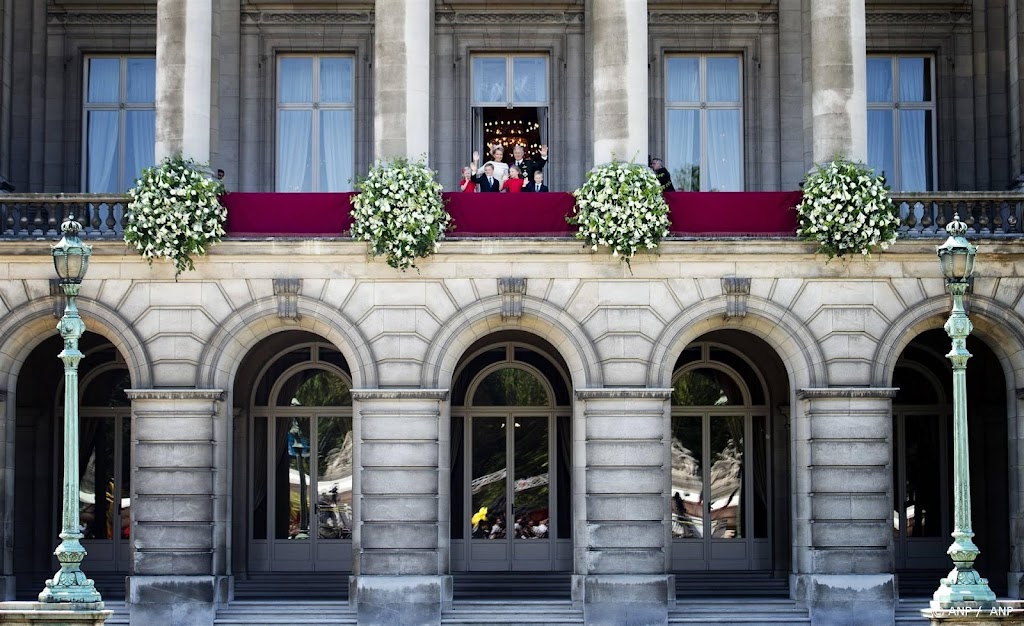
(327, 215)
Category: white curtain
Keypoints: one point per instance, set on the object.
(913, 159)
(141, 86)
(101, 153)
(104, 80)
(723, 79)
(294, 150)
(879, 79)
(295, 80)
(140, 131)
(489, 80)
(682, 79)
(336, 79)
(725, 164)
(335, 150)
(880, 143)
(529, 79)
(682, 151)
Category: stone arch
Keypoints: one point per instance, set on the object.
(999, 325)
(237, 335)
(539, 317)
(776, 325)
(28, 325)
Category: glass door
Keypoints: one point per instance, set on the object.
(921, 510)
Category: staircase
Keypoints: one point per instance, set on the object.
(777, 612)
(731, 584)
(908, 610)
(278, 613)
(497, 586)
(329, 586)
(520, 612)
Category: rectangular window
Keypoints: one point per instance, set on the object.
(704, 122)
(315, 122)
(510, 103)
(901, 121)
(119, 120)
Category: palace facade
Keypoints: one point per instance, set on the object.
(522, 430)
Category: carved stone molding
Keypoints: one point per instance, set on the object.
(101, 18)
(736, 290)
(287, 291)
(289, 17)
(512, 290)
(811, 393)
(945, 17)
(174, 394)
(624, 393)
(400, 394)
(692, 17)
(550, 17)
(59, 298)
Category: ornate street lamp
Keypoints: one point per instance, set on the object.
(69, 584)
(963, 584)
(299, 451)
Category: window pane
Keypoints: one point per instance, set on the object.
(879, 79)
(259, 478)
(682, 76)
(682, 156)
(126, 478)
(759, 449)
(725, 161)
(687, 478)
(510, 387)
(104, 80)
(101, 152)
(880, 145)
(915, 150)
(488, 478)
(295, 80)
(141, 80)
(532, 486)
(727, 479)
(139, 130)
(923, 504)
(723, 76)
(335, 150)
(336, 80)
(292, 481)
(314, 387)
(489, 80)
(529, 80)
(915, 79)
(706, 387)
(334, 477)
(96, 489)
(294, 151)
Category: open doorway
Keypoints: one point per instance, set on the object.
(526, 126)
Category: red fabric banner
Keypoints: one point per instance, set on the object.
(733, 213)
(267, 214)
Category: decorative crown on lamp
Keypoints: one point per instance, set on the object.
(70, 255)
(956, 255)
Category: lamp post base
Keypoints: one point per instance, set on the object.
(70, 584)
(963, 587)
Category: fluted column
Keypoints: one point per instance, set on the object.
(184, 68)
(618, 31)
(401, 55)
(838, 80)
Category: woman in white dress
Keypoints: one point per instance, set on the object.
(497, 160)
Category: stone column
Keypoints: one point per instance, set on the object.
(622, 533)
(618, 41)
(7, 501)
(401, 78)
(400, 543)
(173, 507)
(842, 541)
(838, 80)
(184, 71)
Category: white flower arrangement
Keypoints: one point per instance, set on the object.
(621, 206)
(174, 213)
(399, 211)
(847, 210)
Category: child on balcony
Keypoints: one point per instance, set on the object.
(467, 185)
(537, 184)
(514, 183)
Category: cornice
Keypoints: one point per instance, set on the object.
(908, 17)
(174, 394)
(695, 17)
(538, 18)
(400, 394)
(72, 19)
(812, 393)
(624, 393)
(318, 17)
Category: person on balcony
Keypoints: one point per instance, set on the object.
(514, 182)
(537, 184)
(466, 184)
(663, 176)
(497, 161)
(487, 181)
(528, 166)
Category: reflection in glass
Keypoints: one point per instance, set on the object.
(489, 80)
(97, 509)
(291, 478)
(726, 478)
(313, 387)
(532, 486)
(922, 503)
(706, 387)
(489, 474)
(687, 477)
(759, 471)
(510, 387)
(259, 477)
(334, 477)
(125, 497)
(529, 80)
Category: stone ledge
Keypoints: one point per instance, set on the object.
(53, 613)
(174, 394)
(399, 394)
(813, 393)
(624, 393)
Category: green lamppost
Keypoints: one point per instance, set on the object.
(69, 584)
(963, 584)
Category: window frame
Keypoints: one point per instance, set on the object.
(510, 101)
(895, 179)
(315, 106)
(702, 106)
(122, 107)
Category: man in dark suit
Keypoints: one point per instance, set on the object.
(664, 178)
(537, 184)
(487, 182)
(528, 166)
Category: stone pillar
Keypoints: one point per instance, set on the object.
(842, 539)
(618, 42)
(173, 507)
(838, 80)
(184, 71)
(623, 531)
(401, 73)
(7, 501)
(400, 543)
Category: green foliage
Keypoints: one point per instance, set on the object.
(510, 387)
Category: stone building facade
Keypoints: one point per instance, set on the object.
(514, 367)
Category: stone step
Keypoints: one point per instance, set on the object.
(518, 613)
(278, 613)
(908, 611)
(738, 611)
